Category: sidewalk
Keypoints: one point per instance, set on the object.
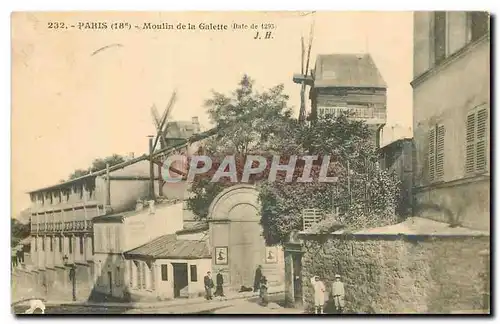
(163, 303)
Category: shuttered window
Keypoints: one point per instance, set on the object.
(436, 153)
(432, 154)
(440, 152)
(476, 146)
(143, 275)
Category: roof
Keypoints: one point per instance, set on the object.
(193, 228)
(347, 70)
(397, 142)
(118, 217)
(421, 226)
(169, 247)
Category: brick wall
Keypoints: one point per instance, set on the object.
(395, 274)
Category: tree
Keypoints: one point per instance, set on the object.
(98, 165)
(363, 195)
(19, 231)
(261, 123)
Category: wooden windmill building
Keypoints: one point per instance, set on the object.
(347, 83)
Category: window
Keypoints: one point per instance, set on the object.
(50, 244)
(117, 276)
(43, 243)
(194, 274)
(452, 30)
(478, 23)
(143, 275)
(439, 36)
(131, 273)
(70, 244)
(61, 244)
(36, 243)
(476, 158)
(436, 153)
(82, 247)
(138, 274)
(164, 272)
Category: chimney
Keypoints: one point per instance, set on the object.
(151, 207)
(196, 123)
(139, 205)
(131, 156)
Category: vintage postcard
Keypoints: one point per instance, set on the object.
(251, 162)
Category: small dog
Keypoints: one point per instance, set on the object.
(36, 305)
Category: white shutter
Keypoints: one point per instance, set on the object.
(440, 152)
(481, 140)
(470, 141)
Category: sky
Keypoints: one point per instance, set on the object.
(70, 107)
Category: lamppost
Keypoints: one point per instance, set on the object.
(72, 275)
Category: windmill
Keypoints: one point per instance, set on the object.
(304, 78)
(161, 123)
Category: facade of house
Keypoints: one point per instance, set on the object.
(118, 233)
(170, 266)
(61, 222)
(348, 83)
(451, 117)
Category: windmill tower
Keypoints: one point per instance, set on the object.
(161, 123)
(305, 78)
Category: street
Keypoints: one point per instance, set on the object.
(231, 306)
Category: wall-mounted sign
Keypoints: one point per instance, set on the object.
(271, 254)
(221, 256)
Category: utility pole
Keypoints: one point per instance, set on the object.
(151, 170)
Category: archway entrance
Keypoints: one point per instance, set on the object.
(234, 217)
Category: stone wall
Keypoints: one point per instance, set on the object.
(399, 274)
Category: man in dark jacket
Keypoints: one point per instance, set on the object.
(219, 280)
(258, 277)
(209, 284)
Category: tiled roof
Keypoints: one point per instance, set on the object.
(194, 228)
(347, 70)
(169, 247)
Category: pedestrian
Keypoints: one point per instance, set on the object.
(209, 284)
(338, 294)
(13, 258)
(219, 280)
(258, 278)
(319, 295)
(263, 291)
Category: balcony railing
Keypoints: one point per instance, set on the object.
(353, 112)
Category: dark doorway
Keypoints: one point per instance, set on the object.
(110, 282)
(180, 278)
(297, 278)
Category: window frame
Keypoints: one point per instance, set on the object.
(164, 272)
(475, 170)
(191, 267)
(436, 152)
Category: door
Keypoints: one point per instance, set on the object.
(110, 283)
(297, 277)
(180, 279)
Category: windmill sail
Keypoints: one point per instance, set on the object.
(302, 112)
